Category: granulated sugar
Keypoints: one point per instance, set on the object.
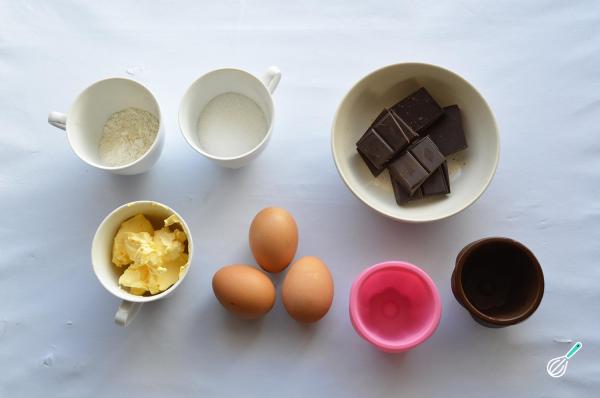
(127, 135)
(231, 124)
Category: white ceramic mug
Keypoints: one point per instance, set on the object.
(223, 81)
(108, 274)
(91, 109)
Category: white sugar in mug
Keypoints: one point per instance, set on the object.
(85, 121)
(228, 151)
(108, 274)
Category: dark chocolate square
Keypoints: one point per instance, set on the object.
(408, 172)
(408, 132)
(447, 132)
(392, 131)
(438, 183)
(374, 170)
(378, 118)
(402, 197)
(375, 149)
(419, 110)
(428, 154)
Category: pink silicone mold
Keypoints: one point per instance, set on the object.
(395, 306)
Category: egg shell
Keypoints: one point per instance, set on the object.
(244, 290)
(273, 238)
(307, 290)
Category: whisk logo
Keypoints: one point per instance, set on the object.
(557, 367)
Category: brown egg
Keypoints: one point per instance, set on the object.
(307, 290)
(273, 238)
(244, 290)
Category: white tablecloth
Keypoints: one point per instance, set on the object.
(536, 62)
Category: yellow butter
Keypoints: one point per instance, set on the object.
(172, 219)
(157, 259)
(138, 223)
(138, 291)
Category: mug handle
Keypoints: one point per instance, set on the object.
(271, 78)
(126, 312)
(58, 119)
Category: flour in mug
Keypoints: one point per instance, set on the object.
(127, 136)
(231, 124)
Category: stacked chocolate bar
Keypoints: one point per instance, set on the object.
(412, 140)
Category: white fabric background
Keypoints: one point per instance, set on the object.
(536, 62)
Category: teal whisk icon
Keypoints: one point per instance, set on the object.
(557, 367)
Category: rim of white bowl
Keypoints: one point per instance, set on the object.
(379, 209)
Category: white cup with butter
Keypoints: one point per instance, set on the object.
(141, 252)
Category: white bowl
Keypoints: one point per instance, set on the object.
(471, 170)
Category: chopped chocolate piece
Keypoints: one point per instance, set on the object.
(383, 140)
(438, 183)
(447, 132)
(379, 117)
(415, 165)
(374, 148)
(397, 134)
(428, 154)
(419, 110)
(408, 132)
(374, 170)
(408, 172)
(399, 140)
(402, 197)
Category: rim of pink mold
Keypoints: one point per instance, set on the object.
(413, 339)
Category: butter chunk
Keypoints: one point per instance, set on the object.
(141, 250)
(135, 224)
(157, 258)
(174, 271)
(140, 277)
(138, 291)
(169, 244)
(172, 219)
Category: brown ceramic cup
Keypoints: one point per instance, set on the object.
(498, 280)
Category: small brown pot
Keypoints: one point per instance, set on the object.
(498, 280)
